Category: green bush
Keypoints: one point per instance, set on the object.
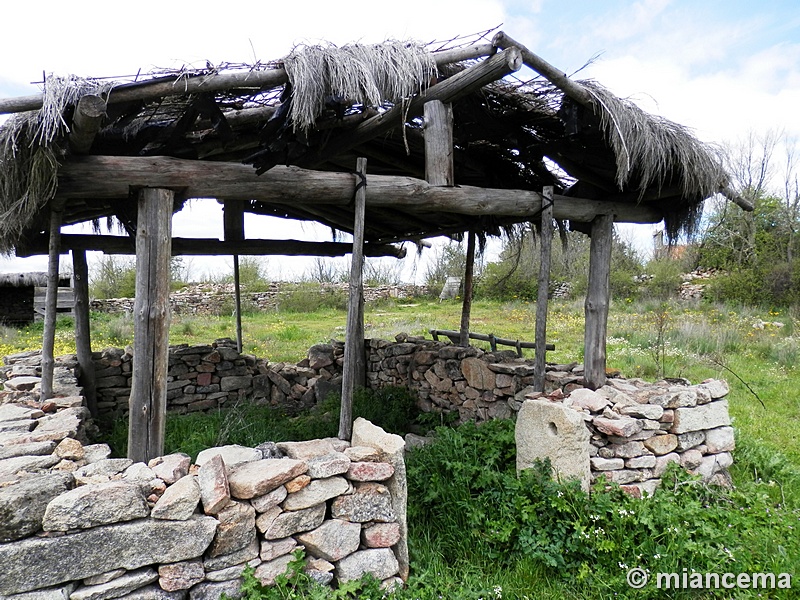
(311, 297)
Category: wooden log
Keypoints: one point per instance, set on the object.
(120, 244)
(354, 372)
(558, 78)
(545, 244)
(597, 301)
(51, 303)
(111, 177)
(233, 216)
(151, 314)
(449, 90)
(455, 336)
(245, 80)
(86, 122)
(83, 340)
(466, 303)
(439, 143)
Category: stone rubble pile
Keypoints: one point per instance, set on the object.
(630, 431)
(77, 524)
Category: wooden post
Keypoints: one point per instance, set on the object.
(83, 340)
(148, 400)
(439, 143)
(545, 241)
(51, 302)
(354, 374)
(89, 114)
(234, 231)
(466, 305)
(596, 306)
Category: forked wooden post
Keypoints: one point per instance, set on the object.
(51, 302)
(151, 315)
(83, 340)
(466, 304)
(354, 374)
(546, 242)
(596, 306)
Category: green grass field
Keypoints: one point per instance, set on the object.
(479, 532)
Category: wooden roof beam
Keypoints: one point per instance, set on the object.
(113, 176)
(119, 244)
(253, 79)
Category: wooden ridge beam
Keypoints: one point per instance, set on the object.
(251, 79)
(112, 177)
(119, 244)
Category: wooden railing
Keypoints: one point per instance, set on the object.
(493, 340)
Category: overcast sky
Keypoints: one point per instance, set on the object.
(721, 67)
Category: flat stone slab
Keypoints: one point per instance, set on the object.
(708, 416)
(83, 554)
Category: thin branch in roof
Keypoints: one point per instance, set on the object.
(371, 75)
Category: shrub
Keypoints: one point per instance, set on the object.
(311, 297)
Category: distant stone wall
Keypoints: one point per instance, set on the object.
(77, 524)
(214, 299)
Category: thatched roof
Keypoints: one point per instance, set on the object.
(30, 279)
(321, 107)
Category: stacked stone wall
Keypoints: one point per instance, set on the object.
(77, 524)
(216, 299)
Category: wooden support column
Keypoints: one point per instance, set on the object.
(596, 306)
(83, 340)
(234, 231)
(466, 305)
(439, 143)
(545, 242)
(51, 302)
(354, 374)
(151, 315)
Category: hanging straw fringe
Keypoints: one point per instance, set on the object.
(29, 154)
(369, 75)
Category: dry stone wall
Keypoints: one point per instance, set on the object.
(77, 524)
(215, 299)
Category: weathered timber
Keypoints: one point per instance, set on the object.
(112, 176)
(120, 244)
(466, 303)
(51, 303)
(86, 122)
(151, 314)
(233, 226)
(354, 371)
(545, 244)
(493, 340)
(252, 79)
(439, 143)
(449, 90)
(596, 305)
(83, 341)
(558, 78)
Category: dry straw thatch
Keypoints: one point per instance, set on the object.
(370, 75)
(29, 156)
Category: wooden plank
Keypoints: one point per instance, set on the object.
(112, 177)
(545, 244)
(151, 314)
(83, 341)
(51, 302)
(466, 303)
(439, 143)
(597, 301)
(354, 372)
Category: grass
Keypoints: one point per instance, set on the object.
(474, 531)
